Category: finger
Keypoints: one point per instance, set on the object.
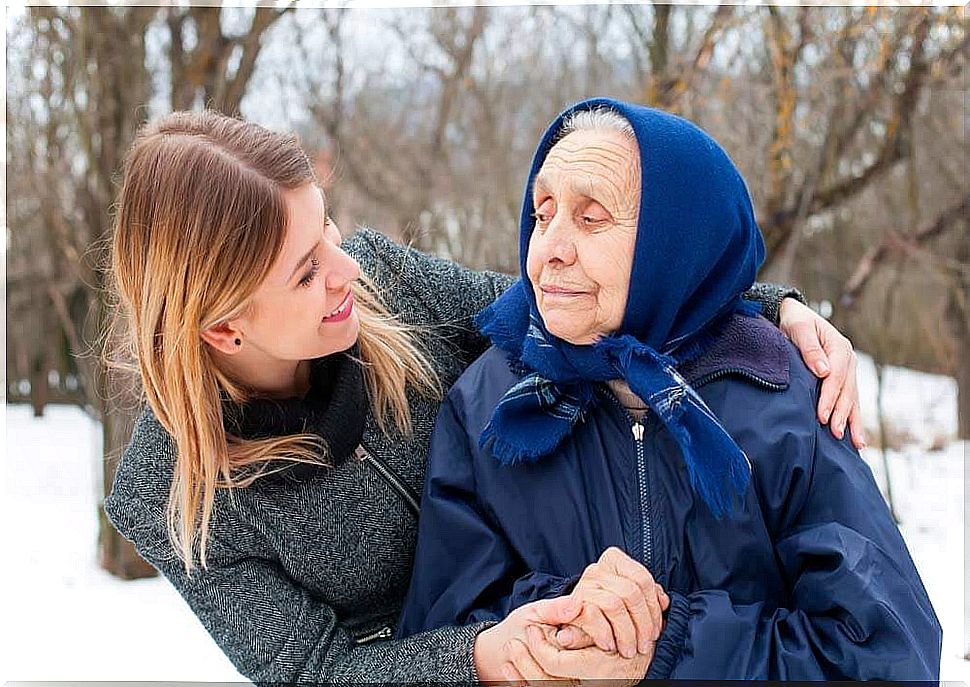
(572, 637)
(594, 623)
(561, 610)
(663, 597)
(565, 664)
(512, 675)
(629, 568)
(523, 661)
(846, 400)
(544, 652)
(643, 615)
(833, 383)
(620, 618)
(648, 627)
(856, 428)
(807, 339)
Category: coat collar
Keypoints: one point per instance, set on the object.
(748, 347)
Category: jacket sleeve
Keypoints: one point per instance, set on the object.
(858, 607)
(275, 631)
(770, 296)
(464, 569)
(452, 294)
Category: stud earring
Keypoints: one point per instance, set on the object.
(239, 342)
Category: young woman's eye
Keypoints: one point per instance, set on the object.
(309, 276)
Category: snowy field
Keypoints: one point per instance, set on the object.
(66, 619)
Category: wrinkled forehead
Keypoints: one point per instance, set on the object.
(592, 163)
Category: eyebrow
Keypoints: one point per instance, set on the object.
(588, 189)
(302, 262)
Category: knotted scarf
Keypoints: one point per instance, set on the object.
(698, 248)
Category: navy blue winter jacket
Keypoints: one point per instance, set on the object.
(808, 580)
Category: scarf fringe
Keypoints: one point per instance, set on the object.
(508, 453)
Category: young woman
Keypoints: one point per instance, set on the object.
(291, 383)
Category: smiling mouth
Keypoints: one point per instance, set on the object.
(342, 312)
(559, 291)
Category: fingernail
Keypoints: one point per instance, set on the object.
(644, 646)
(826, 412)
(564, 636)
(821, 367)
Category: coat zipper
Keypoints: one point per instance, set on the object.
(644, 493)
(383, 633)
(389, 476)
(636, 427)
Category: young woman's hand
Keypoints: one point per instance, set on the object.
(830, 356)
(622, 607)
(496, 648)
(540, 657)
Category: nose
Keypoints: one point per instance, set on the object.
(344, 270)
(557, 245)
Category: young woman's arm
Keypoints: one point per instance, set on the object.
(269, 626)
(275, 631)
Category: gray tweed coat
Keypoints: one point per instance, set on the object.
(306, 574)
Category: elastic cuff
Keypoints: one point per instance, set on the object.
(671, 642)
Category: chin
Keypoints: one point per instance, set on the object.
(338, 340)
(569, 334)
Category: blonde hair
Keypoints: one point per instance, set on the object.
(201, 179)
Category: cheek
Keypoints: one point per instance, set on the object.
(533, 263)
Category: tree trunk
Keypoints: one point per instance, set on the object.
(116, 554)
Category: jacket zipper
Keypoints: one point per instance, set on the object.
(636, 427)
(384, 470)
(383, 633)
(644, 493)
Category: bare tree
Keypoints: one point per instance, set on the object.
(90, 70)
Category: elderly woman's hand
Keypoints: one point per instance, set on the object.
(830, 356)
(540, 657)
(622, 607)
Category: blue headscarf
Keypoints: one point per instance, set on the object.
(698, 248)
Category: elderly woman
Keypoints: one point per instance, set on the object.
(632, 400)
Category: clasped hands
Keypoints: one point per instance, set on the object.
(606, 628)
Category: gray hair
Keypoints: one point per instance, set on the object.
(598, 119)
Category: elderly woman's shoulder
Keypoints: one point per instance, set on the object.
(754, 357)
(482, 385)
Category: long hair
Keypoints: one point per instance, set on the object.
(199, 221)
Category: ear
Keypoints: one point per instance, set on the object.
(222, 337)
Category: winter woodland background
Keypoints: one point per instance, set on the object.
(849, 124)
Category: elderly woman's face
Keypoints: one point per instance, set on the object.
(587, 198)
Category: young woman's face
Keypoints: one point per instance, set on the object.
(304, 308)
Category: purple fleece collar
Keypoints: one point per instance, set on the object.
(745, 346)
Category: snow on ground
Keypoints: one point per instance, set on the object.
(66, 619)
